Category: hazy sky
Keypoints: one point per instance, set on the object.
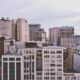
(49, 13)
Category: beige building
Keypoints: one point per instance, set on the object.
(22, 30)
(56, 33)
(5, 28)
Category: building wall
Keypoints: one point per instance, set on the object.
(12, 67)
(77, 59)
(22, 30)
(57, 32)
(43, 63)
(71, 76)
(72, 41)
(5, 28)
(33, 29)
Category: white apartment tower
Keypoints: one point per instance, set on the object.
(22, 30)
(12, 67)
(45, 63)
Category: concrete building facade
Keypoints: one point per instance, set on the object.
(71, 76)
(45, 63)
(33, 29)
(72, 41)
(5, 28)
(22, 30)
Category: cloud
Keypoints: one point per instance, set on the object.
(49, 13)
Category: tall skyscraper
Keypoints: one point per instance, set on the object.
(40, 35)
(56, 33)
(22, 30)
(33, 29)
(37, 33)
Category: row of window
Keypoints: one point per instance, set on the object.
(47, 56)
(52, 52)
(58, 78)
(11, 59)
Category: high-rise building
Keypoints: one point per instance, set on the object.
(37, 33)
(40, 36)
(12, 67)
(22, 30)
(33, 29)
(5, 27)
(56, 33)
(43, 63)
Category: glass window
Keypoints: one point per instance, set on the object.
(11, 59)
(5, 59)
(18, 59)
(5, 71)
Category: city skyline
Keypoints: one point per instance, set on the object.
(49, 13)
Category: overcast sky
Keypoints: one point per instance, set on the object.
(48, 13)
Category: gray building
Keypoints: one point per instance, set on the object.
(33, 29)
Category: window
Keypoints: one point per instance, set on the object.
(59, 65)
(46, 77)
(12, 71)
(59, 52)
(52, 73)
(60, 78)
(18, 59)
(52, 65)
(52, 52)
(5, 59)
(46, 51)
(5, 71)
(39, 73)
(59, 69)
(11, 59)
(59, 56)
(46, 56)
(24, 57)
(32, 56)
